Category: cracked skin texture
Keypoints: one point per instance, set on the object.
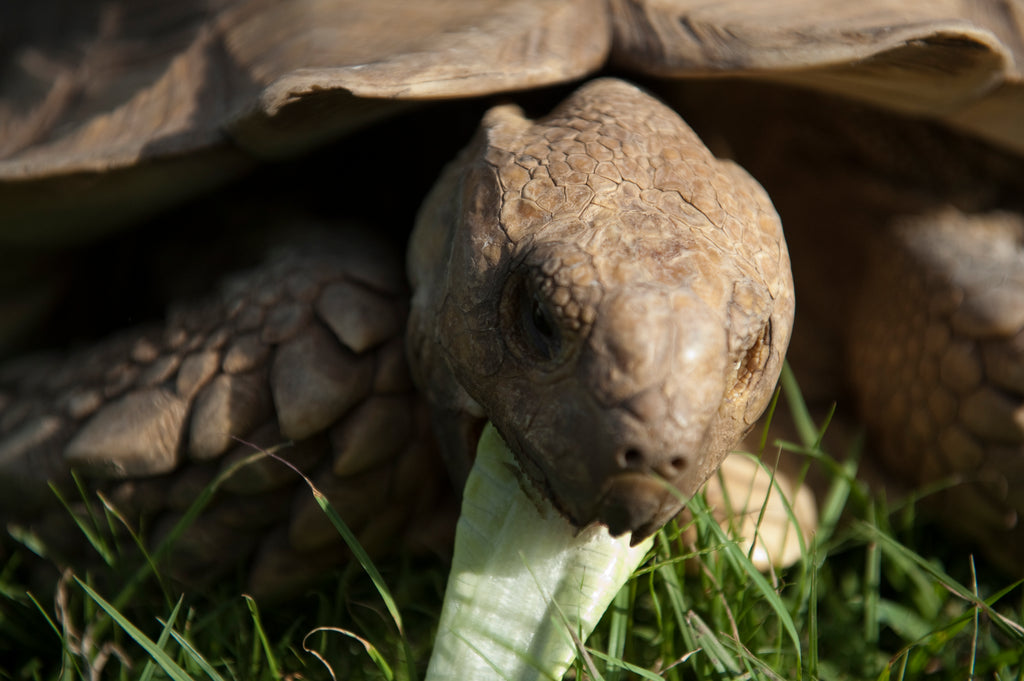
(617, 300)
(624, 317)
(236, 73)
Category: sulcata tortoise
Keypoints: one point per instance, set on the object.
(595, 282)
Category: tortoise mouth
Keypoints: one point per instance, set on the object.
(532, 474)
(628, 502)
(637, 503)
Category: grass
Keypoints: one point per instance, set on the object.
(874, 597)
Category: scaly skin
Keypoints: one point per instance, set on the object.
(307, 348)
(613, 297)
(537, 307)
(908, 257)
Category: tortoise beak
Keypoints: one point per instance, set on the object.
(637, 503)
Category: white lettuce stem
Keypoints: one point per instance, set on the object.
(522, 578)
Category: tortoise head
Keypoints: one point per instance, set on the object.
(613, 297)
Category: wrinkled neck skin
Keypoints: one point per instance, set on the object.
(613, 297)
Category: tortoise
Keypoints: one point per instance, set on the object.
(896, 121)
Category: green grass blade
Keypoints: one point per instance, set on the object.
(719, 654)
(674, 592)
(618, 630)
(360, 554)
(160, 656)
(69, 663)
(150, 669)
(805, 428)
(88, 530)
(768, 417)
(149, 567)
(617, 663)
(46, 616)
(738, 562)
(1013, 629)
(363, 558)
(196, 657)
(261, 635)
(28, 539)
(812, 615)
(872, 582)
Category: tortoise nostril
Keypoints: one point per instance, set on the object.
(631, 458)
(634, 459)
(670, 469)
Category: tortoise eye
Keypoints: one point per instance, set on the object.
(539, 329)
(754, 360)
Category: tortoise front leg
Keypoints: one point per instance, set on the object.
(937, 359)
(307, 349)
